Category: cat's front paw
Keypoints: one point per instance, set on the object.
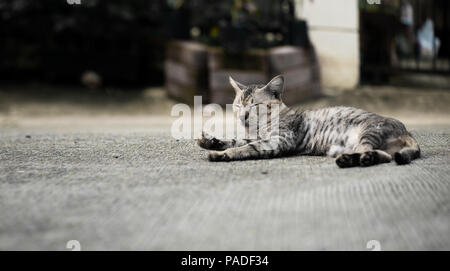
(218, 156)
(210, 143)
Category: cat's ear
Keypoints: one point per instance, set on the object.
(275, 86)
(238, 87)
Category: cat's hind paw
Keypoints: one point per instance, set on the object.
(348, 160)
(369, 158)
(218, 156)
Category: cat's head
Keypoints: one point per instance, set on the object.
(249, 96)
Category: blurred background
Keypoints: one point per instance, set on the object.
(141, 56)
(86, 151)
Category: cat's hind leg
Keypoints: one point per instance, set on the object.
(364, 156)
(348, 160)
(410, 150)
(371, 158)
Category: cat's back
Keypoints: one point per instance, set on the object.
(341, 115)
(331, 117)
(327, 113)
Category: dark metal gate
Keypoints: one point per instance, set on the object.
(392, 38)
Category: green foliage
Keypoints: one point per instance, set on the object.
(237, 25)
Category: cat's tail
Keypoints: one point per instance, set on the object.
(409, 152)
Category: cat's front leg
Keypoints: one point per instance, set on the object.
(266, 148)
(212, 143)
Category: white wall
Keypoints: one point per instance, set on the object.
(334, 32)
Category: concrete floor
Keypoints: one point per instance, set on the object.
(123, 183)
(141, 189)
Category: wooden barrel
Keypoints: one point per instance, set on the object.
(194, 69)
(250, 67)
(186, 71)
(300, 69)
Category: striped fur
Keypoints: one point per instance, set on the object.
(355, 137)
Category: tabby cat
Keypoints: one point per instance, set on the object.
(354, 136)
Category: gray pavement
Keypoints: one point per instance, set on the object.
(125, 188)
